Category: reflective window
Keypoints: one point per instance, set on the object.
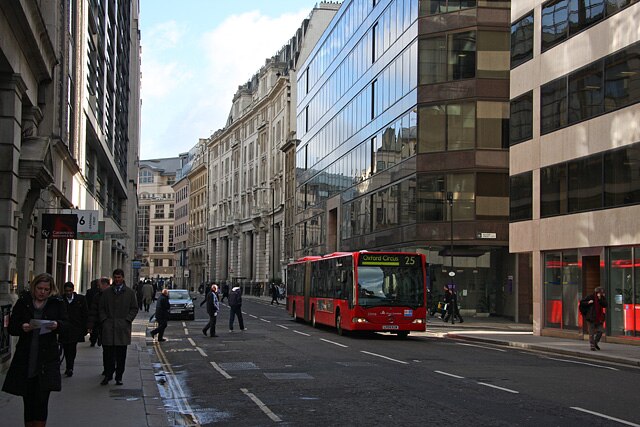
(521, 197)
(461, 126)
(585, 184)
(430, 198)
(553, 190)
(555, 21)
(562, 289)
(622, 78)
(622, 176)
(462, 55)
(553, 105)
(433, 60)
(521, 118)
(522, 40)
(584, 13)
(586, 93)
(435, 7)
(492, 195)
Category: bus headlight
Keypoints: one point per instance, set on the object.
(359, 320)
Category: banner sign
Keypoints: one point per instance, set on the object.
(87, 222)
(59, 226)
(98, 235)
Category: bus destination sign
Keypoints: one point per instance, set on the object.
(388, 260)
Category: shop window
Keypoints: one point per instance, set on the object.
(562, 290)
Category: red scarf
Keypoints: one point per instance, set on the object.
(599, 310)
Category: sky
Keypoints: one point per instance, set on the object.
(195, 54)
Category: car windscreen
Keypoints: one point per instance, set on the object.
(179, 295)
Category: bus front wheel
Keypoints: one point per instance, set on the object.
(339, 324)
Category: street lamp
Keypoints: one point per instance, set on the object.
(452, 273)
(273, 228)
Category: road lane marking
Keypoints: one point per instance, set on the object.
(384, 357)
(253, 315)
(222, 371)
(334, 343)
(449, 375)
(508, 390)
(193, 343)
(201, 352)
(265, 320)
(582, 363)
(482, 346)
(174, 386)
(261, 405)
(283, 327)
(184, 325)
(186, 331)
(598, 414)
(301, 333)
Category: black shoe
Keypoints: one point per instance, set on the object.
(153, 335)
(204, 332)
(92, 344)
(68, 372)
(161, 340)
(461, 321)
(214, 335)
(597, 347)
(118, 382)
(105, 381)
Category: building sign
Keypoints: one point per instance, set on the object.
(88, 224)
(136, 264)
(486, 235)
(59, 226)
(99, 235)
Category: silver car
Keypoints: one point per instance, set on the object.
(181, 304)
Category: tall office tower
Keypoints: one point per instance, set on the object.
(402, 117)
(575, 160)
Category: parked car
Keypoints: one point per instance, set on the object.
(181, 304)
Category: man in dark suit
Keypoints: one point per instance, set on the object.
(162, 315)
(117, 308)
(76, 327)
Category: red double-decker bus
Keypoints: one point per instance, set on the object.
(360, 291)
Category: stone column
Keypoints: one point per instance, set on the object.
(11, 90)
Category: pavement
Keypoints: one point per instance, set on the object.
(138, 402)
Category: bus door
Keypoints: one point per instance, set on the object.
(307, 291)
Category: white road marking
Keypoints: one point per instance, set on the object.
(508, 390)
(176, 392)
(582, 363)
(334, 343)
(222, 371)
(261, 405)
(283, 327)
(448, 374)
(201, 352)
(184, 325)
(186, 331)
(482, 346)
(598, 414)
(301, 333)
(384, 357)
(253, 315)
(265, 320)
(193, 343)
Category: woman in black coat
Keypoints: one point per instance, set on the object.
(35, 368)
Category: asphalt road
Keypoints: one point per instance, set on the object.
(288, 373)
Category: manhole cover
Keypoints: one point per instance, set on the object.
(288, 376)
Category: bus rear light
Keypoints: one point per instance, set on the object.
(359, 320)
(418, 321)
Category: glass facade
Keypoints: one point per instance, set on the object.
(624, 291)
(562, 290)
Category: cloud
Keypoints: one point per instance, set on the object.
(189, 80)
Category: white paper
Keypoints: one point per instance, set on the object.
(42, 325)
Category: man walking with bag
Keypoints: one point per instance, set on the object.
(162, 315)
(212, 310)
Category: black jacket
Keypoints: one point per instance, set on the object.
(162, 308)
(48, 359)
(591, 312)
(235, 297)
(77, 315)
(212, 303)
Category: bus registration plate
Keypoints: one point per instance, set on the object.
(390, 326)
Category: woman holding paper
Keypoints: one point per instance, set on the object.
(37, 318)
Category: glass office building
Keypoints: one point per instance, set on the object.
(402, 118)
(575, 159)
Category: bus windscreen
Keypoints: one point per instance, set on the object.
(390, 280)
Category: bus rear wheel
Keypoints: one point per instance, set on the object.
(339, 324)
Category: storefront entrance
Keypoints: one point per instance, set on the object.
(624, 291)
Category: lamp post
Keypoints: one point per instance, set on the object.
(273, 228)
(452, 273)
